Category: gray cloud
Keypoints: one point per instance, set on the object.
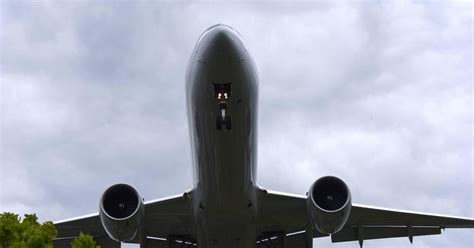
(379, 94)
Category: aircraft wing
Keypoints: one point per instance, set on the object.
(288, 213)
(163, 218)
(69, 229)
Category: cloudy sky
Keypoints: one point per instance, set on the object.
(377, 93)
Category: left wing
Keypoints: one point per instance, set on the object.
(163, 218)
(288, 213)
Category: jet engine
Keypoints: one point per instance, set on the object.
(122, 212)
(329, 204)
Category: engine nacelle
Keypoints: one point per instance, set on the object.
(122, 212)
(329, 204)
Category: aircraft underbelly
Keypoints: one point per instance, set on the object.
(222, 102)
(226, 208)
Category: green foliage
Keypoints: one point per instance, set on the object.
(26, 233)
(9, 228)
(84, 241)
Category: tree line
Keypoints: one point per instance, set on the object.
(26, 232)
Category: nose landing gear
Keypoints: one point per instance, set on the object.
(223, 122)
(223, 119)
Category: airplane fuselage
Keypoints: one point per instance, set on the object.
(222, 94)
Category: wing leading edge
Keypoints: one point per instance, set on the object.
(287, 212)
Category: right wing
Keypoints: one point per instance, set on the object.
(288, 213)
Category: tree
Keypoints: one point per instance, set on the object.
(84, 241)
(9, 229)
(17, 233)
(28, 233)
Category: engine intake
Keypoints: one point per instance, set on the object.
(122, 212)
(329, 204)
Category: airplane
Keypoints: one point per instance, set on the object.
(226, 207)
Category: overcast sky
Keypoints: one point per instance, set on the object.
(377, 93)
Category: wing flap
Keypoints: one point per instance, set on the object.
(299, 240)
(156, 243)
(379, 232)
(103, 241)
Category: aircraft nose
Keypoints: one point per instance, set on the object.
(222, 45)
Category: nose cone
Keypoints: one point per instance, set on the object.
(221, 44)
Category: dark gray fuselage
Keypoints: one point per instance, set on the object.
(224, 159)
